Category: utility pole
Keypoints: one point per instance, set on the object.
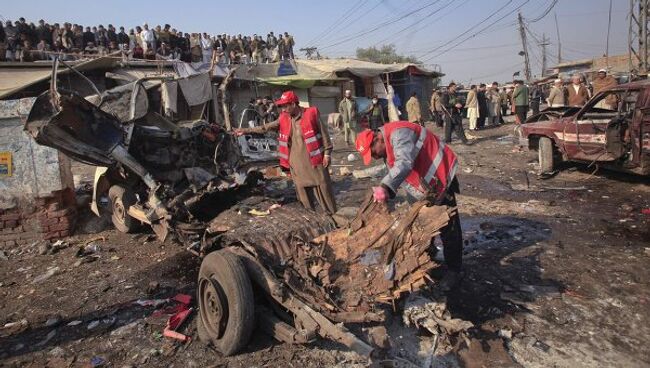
(524, 44)
(638, 36)
(545, 42)
(559, 44)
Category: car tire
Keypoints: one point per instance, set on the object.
(121, 199)
(226, 315)
(546, 155)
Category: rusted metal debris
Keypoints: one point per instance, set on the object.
(345, 275)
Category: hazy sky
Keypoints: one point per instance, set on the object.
(470, 40)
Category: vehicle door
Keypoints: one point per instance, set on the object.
(597, 132)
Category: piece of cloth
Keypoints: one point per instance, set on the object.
(169, 97)
(196, 89)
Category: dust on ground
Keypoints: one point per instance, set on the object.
(555, 275)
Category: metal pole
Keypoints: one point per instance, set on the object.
(559, 44)
(522, 33)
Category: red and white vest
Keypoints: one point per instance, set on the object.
(435, 163)
(309, 124)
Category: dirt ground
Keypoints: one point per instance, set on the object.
(555, 275)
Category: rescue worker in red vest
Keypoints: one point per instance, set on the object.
(305, 148)
(425, 167)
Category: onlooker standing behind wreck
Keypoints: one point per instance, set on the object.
(520, 101)
(348, 111)
(413, 109)
(604, 81)
(148, 38)
(288, 45)
(556, 95)
(578, 93)
(472, 107)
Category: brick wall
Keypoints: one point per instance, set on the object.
(46, 218)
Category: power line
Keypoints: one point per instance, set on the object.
(469, 29)
(339, 20)
(387, 23)
(548, 10)
(416, 22)
(478, 32)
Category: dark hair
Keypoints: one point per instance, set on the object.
(414, 94)
(451, 85)
(472, 86)
(482, 85)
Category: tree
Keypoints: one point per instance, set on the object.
(386, 54)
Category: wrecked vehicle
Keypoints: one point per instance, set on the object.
(615, 139)
(287, 270)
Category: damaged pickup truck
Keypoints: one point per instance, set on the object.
(289, 271)
(616, 138)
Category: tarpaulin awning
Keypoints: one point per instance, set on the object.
(15, 79)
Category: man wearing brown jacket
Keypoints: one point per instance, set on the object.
(578, 93)
(602, 82)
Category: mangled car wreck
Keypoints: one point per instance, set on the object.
(290, 269)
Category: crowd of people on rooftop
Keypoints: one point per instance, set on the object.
(26, 42)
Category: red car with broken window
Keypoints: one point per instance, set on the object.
(614, 135)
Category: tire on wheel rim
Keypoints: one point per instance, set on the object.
(226, 305)
(121, 199)
(546, 155)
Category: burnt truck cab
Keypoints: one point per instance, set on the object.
(616, 138)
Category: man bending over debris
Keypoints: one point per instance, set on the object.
(426, 166)
(305, 149)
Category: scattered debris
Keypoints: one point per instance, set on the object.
(151, 302)
(505, 333)
(12, 328)
(50, 272)
(93, 324)
(44, 248)
(3, 256)
(371, 172)
(378, 336)
(258, 213)
(53, 321)
(432, 315)
(153, 287)
(97, 361)
(58, 352)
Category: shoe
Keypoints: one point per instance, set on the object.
(450, 281)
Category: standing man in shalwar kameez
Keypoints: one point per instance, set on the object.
(305, 149)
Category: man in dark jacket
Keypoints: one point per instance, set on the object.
(483, 109)
(452, 107)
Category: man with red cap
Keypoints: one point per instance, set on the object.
(305, 148)
(425, 167)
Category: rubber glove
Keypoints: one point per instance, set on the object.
(379, 194)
